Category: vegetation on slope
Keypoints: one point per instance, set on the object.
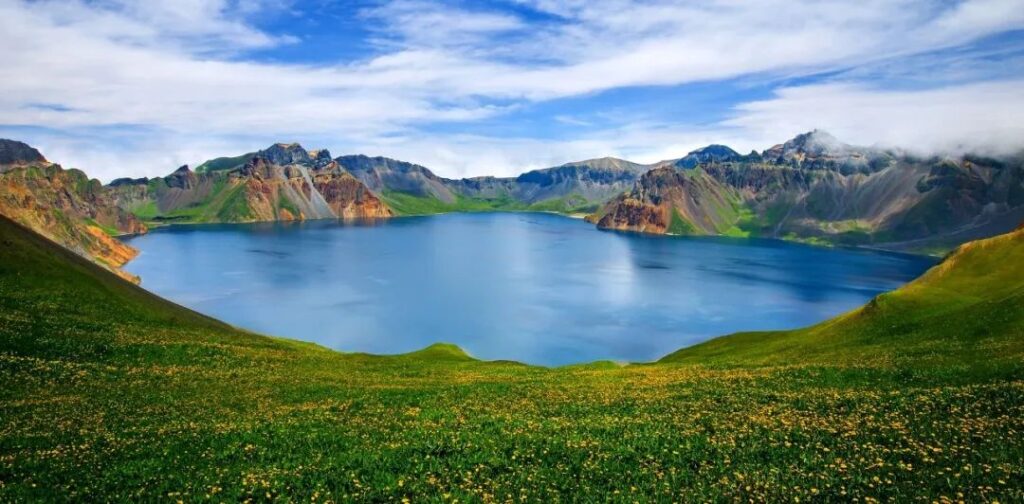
(224, 163)
(404, 203)
(113, 394)
(966, 312)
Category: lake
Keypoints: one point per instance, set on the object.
(536, 288)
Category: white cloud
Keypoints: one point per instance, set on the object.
(983, 117)
(418, 24)
(197, 25)
(176, 70)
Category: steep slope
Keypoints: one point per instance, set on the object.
(967, 311)
(815, 188)
(283, 182)
(65, 206)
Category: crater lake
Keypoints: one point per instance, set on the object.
(536, 288)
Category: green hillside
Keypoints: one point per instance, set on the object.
(112, 394)
(224, 163)
(403, 203)
(967, 312)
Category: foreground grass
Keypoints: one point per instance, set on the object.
(113, 394)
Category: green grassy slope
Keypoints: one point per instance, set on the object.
(411, 204)
(112, 394)
(224, 163)
(968, 311)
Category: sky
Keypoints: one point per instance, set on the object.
(124, 88)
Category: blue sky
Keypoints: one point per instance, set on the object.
(125, 88)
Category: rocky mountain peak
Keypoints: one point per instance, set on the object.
(818, 149)
(714, 153)
(321, 157)
(285, 154)
(816, 143)
(15, 153)
(182, 178)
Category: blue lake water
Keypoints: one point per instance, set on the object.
(536, 288)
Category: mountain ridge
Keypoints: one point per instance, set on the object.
(811, 188)
(814, 188)
(280, 183)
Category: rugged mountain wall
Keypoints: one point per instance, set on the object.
(65, 206)
(583, 185)
(282, 182)
(815, 188)
(667, 200)
(384, 175)
(594, 181)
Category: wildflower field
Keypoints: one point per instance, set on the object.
(112, 394)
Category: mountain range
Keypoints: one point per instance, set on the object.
(408, 188)
(282, 182)
(815, 188)
(812, 188)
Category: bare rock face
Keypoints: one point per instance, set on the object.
(182, 178)
(286, 154)
(631, 214)
(349, 198)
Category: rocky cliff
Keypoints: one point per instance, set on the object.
(65, 206)
(282, 182)
(816, 188)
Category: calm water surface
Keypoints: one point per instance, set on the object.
(537, 288)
